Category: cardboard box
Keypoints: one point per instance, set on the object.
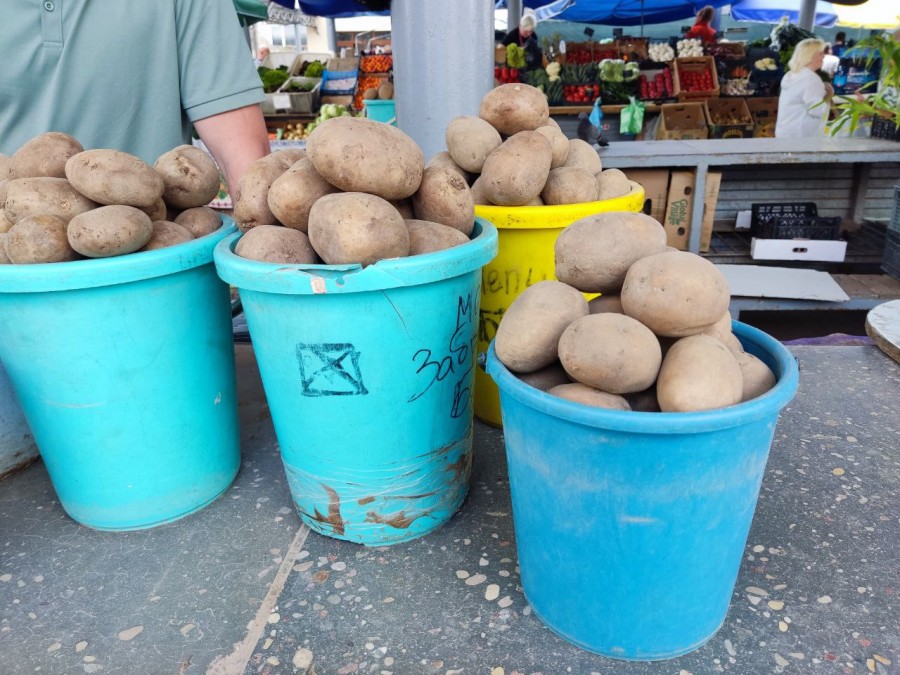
(695, 64)
(764, 111)
(682, 121)
(710, 201)
(679, 204)
(798, 249)
(728, 118)
(656, 187)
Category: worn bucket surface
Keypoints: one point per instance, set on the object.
(527, 235)
(631, 526)
(17, 448)
(125, 371)
(369, 374)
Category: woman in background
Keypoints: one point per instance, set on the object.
(803, 104)
(701, 28)
(525, 37)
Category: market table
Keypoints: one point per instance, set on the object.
(701, 155)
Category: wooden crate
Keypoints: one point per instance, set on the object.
(729, 108)
(694, 64)
(764, 111)
(682, 121)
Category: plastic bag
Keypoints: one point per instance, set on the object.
(631, 120)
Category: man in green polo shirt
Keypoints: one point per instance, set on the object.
(134, 76)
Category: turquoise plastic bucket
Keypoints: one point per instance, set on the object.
(381, 111)
(631, 526)
(368, 375)
(125, 371)
(17, 447)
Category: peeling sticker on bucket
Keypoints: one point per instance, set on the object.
(330, 369)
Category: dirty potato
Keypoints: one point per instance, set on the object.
(199, 221)
(569, 185)
(585, 395)
(698, 373)
(276, 244)
(293, 193)
(114, 178)
(428, 237)
(511, 108)
(44, 155)
(584, 155)
(190, 176)
(443, 197)
(166, 234)
(39, 239)
(515, 173)
(109, 231)
(44, 196)
(470, 140)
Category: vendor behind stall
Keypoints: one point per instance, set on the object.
(803, 102)
(525, 37)
(701, 28)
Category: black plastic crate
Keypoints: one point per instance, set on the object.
(763, 214)
(890, 263)
(894, 223)
(802, 227)
(885, 128)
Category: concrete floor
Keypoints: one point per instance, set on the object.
(243, 587)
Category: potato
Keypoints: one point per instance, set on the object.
(370, 93)
(721, 330)
(359, 155)
(276, 244)
(4, 259)
(470, 140)
(443, 197)
(158, 211)
(167, 234)
(4, 168)
(428, 237)
(612, 352)
(537, 201)
(515, 173)
(199, 221)
(44, 155)
(190, 176)
(386, 91)
(445, 159)
(547, 377)
(511, 108)
(594, 253)
(757, 377)
(252, 207)
(583, 154)
(114, 178)
(612, 183)
(581, 393)
(606, 303)
(5, 223)
(698, 373)
(109, 231)
(478, 195)
(675, 293)
(528, 336)
(4, 186)
(405, 207)
(355, 227)
(569, 185)
(44, 196)
(559, 144)
(293, 193)
(552, 123)
(39, 239)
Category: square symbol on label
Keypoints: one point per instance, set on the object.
(330, 369)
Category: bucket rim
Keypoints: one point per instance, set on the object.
(755, 341)
(386, 274)
(122, 269)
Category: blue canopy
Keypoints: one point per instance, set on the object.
(771, 11)
(628, 12)
(336, 9)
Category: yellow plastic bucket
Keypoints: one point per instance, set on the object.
(527, 235)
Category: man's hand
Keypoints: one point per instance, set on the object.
(236, 139)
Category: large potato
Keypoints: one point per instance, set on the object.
(607, 302)
(428, 237)
(355, 227)
(5, 223)
(360, 155)
(594, 253)
(114, 177)
(39, 239)
(675, 293)
(757, 377)
(293, 193)
(252, 207)
(612, 183)
(511, 108)
(515, 173)
(276, 244)
(445, 159)
(721, 330)
(569, 185)
(190, 176)
(559, 144)
(547, 377)
(528, 336)
(4, 186)
(199, 221)
(44, 155)
(109, 230)
(585, 395)
(443, 197)
(698, 373)
(166, 234)
(44, 196)
(612, 352)
(478, 194)
(583, 154)
(159, 210)
(470, 140)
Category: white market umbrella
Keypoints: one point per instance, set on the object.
(871, 14)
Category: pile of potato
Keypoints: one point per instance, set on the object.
(60, 202)
(657, 339)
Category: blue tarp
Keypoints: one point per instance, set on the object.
(771, 11)
(336, 9)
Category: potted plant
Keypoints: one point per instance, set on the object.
(882, 106)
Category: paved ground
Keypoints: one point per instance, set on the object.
(242, 587)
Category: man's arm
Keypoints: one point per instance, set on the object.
(236, 139)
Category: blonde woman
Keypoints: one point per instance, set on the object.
(800, 114)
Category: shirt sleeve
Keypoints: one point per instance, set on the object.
(214, 61)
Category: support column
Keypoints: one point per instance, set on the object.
(513, 14)
(807, 14)
(443, 64)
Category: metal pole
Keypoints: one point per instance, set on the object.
(513, 13)
(807, 14)
(443, 56)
